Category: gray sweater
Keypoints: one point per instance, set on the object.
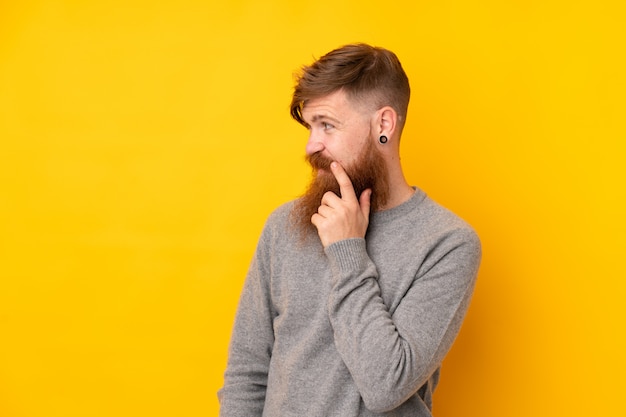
(357, 329)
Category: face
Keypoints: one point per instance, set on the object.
(338, 129)
(339, 132)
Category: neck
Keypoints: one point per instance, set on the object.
(399, 190)
(398, 196)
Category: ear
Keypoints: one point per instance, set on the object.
(386, 122)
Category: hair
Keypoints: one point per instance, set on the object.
(369, 75)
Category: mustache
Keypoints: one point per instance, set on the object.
(319, 161)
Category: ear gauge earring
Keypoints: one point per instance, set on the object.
(383, 139)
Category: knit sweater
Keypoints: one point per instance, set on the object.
(359, 328)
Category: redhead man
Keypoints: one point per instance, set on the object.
(357, 289)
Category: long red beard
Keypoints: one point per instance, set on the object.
(369, 171)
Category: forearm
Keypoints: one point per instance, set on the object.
(391, 356)
(382, 363)
(244, 390)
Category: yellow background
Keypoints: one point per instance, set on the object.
(143, 144)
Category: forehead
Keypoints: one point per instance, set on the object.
(335, 105)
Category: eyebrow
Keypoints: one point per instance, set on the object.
(318, 117)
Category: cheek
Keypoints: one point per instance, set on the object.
(345, 158)
(349, 148)
(354, 153)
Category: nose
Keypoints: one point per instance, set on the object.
(314, 144)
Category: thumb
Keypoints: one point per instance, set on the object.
(364, 202)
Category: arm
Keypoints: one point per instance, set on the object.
(390, 356)
(245, 379)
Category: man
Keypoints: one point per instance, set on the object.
(357, 289)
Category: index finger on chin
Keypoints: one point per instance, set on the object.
(345, 185)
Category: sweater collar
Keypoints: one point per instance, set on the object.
(400, 210)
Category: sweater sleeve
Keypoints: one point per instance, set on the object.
(245, 378)
(391, 355)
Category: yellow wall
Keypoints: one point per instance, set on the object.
(143, 143)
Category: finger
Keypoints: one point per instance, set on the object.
(324, 211)
(364, 202)
(345, 185)
(330, 199)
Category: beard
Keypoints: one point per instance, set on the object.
(368, 171)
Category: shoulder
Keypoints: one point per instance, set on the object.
(422, 228)
(436, 225)
(423, 215)
(279, 217)
(448, 229)
(279, 228)
(434, 215)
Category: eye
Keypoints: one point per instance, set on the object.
(327, 126)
